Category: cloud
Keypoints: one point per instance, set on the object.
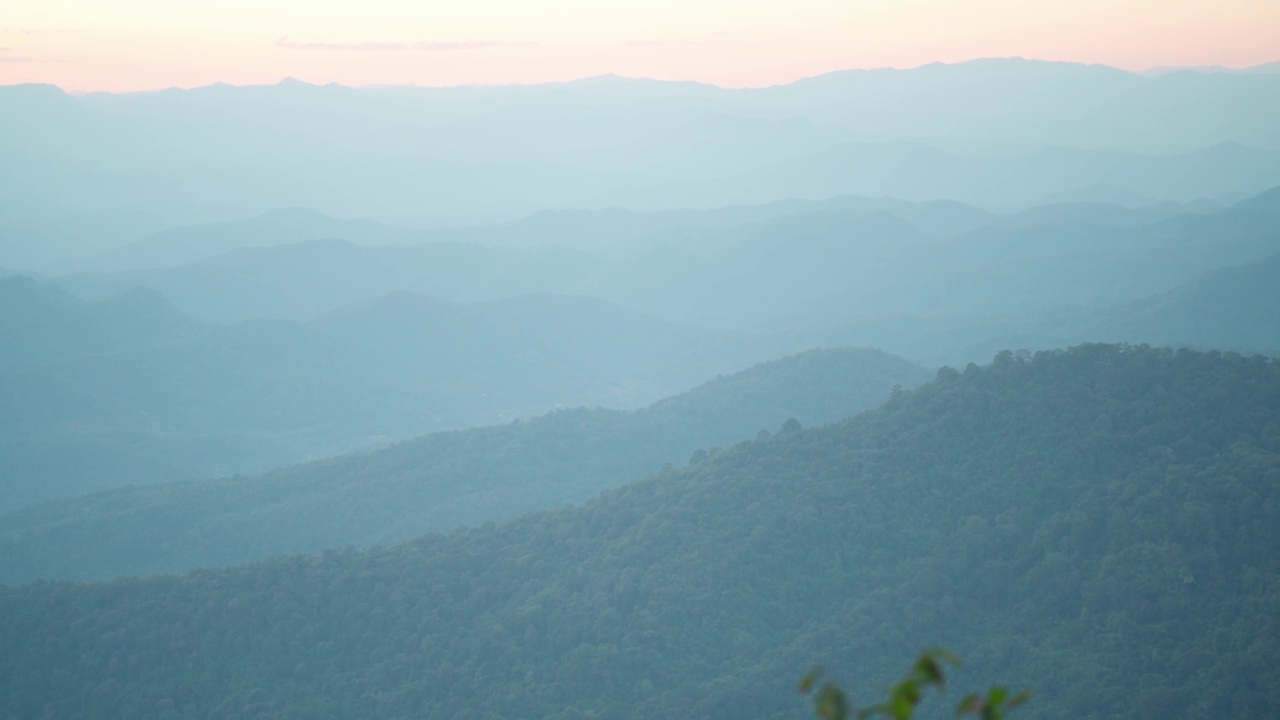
(426, 46)
(667, 42)
(286, 43)
(37, 31)
(13, 58)
(471, 44)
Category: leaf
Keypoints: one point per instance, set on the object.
(806, 682)
(932, 672)
(970, 705)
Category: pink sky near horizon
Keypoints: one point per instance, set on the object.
(129, 45)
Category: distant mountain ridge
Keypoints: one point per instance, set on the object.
(1235, 308)
(787, 268)
(277, 227)
(79, 170)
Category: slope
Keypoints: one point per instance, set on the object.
(1100, 524)
(303, 280)
(182, 245)
(1234, 308)
(434, 483)
(265, 393)
(837, 266)
(40, 323)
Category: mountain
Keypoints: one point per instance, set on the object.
(1003, 102)
(935, 282)
(359, 377)
(434, 483)
(550, 252)
(881, 265)
(751, 272)
(1099, 193)
(41, 323)
(1091, 213)
(838, 268)
(1234, 308)
(305, 280)
(82, 175)
(1265, 203)
(1231, 308)
(1079, 522)
(179, 246)
(914, 170)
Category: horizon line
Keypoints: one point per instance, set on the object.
(1153, 71)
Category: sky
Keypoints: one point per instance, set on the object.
(130, 45)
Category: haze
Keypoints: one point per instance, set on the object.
(573, 361)
(148, 44)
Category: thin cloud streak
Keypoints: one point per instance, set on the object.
(287, 44)
(424, 46)
(470, 45)
(14, 58)
(669, 42)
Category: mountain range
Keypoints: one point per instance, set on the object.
(434, 483)
(86, 174)
(1094, 523)
(129, 391)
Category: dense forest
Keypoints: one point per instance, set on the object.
(437, 482)
(1098, 523)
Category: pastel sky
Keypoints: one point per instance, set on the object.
(119, 45)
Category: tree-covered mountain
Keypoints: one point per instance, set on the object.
(434, 483)
(1100, 524)
(126, 391)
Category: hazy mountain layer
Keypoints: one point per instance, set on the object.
(1230, 308)
(1099, 524)
(150, 395)
(82, 175)
(839, 258)
(434, 483)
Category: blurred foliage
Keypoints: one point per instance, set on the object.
(831, 703)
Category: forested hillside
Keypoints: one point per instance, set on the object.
(1099, 523)
(434, 483)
